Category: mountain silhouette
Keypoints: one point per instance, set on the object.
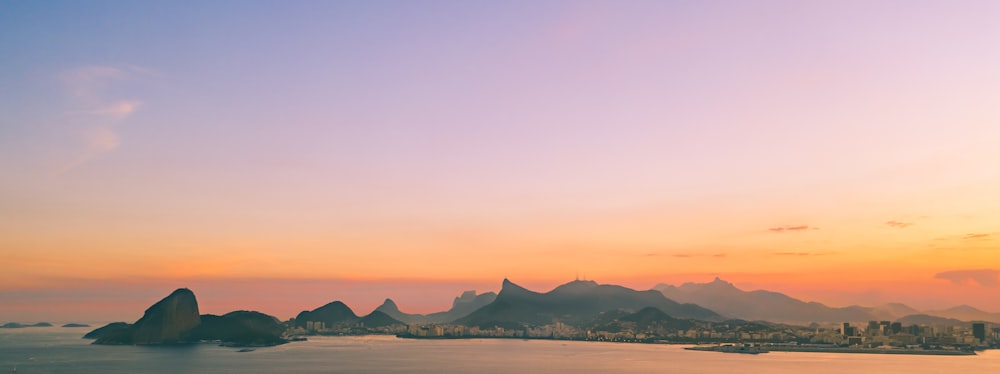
(175, 320)
(162, 323)
(929, 320)
(379, 319)
(463, 305)
(108, 329)
(967, 313)
(332, 314)
(574, 303)
(892, 311)
(724, 298)
(239, 328)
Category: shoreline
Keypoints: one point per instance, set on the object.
(764, 347)
(850, 350)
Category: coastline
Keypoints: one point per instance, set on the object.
(851, 350)
(763, 348)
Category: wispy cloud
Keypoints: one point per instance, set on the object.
(982, 277)
(90, 81)
(88, 87)
(898, 224)
(797, 228)
(118, 110)
(803, 254)
(689, 255)
(976, 237)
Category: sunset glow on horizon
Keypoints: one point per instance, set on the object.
(279, 156)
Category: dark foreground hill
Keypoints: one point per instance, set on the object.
(175, 320)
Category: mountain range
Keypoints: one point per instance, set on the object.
(338, 315)
(463, 305)
(574, 303)
(761, 305)
(176, 319)
(967, 313)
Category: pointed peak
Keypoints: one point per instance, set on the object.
(388, 303)
(511, 288)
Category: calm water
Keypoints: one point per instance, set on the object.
(60, 350)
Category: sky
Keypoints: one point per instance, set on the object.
(281, 155)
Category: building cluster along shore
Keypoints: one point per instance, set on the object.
(579, 310)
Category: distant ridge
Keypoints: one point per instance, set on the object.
(462, 306)
(967, 313)
(723, 297)
(928, 320)
(575, 302)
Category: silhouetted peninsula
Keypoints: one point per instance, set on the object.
(175, 320)
(108, 329)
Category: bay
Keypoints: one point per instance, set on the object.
(61, 350)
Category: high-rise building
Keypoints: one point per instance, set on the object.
(872, 328)
(883, 328)
(979, 331)
(896, 327)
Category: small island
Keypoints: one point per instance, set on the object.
(74, 325)
(15, 325)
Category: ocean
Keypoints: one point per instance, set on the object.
(61, 350)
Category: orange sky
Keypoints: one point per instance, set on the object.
(840, 152)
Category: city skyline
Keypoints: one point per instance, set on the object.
(840, 152)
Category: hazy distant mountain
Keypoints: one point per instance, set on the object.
(892, 311)
(332, 314)
(967, 313)
(574, 303)
(724, 298)
(467, 303)
(923, 319)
